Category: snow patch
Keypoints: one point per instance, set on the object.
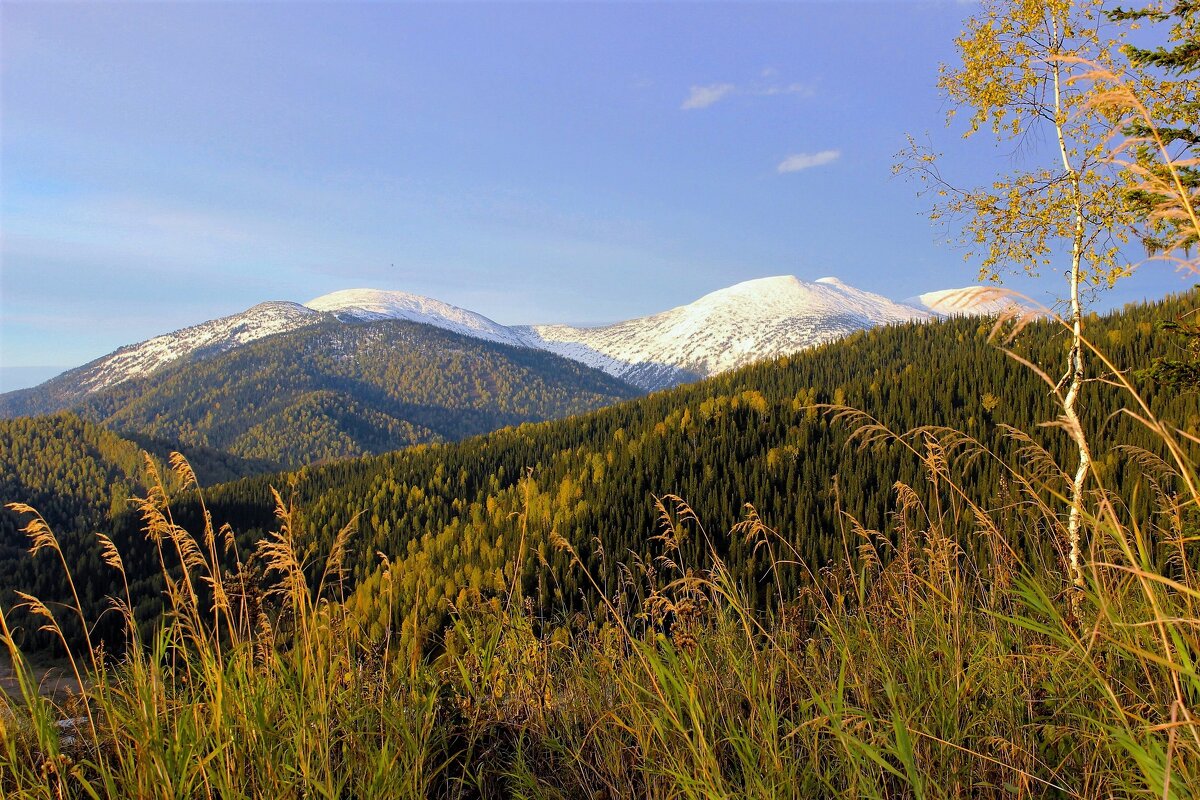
(966, 301)
(215, 335)
(376, 304)
(725, 329)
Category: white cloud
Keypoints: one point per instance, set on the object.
(799, 161)
(801, 89)
(705, 96)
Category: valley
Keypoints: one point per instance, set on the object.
(445, 513)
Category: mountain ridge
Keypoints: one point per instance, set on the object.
(332, 390)
(724, 329)
(375, 304)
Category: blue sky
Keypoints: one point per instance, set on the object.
(163, 164)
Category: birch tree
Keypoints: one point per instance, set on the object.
(1059, 208)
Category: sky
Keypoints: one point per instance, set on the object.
(165, 164)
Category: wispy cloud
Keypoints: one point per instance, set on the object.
(802, 89)
(705, 96)
(799, 161)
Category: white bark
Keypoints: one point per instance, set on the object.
(1075, 371)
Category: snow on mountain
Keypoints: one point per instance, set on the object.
(967, 301)
(265, 319)
(724, 330)
(214, 336)
(375, 304)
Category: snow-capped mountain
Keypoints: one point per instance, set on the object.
(723, 330)
(135, 360)
(968, 301)
(214, 336)
(374, 304)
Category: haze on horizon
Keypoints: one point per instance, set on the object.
(165, 164)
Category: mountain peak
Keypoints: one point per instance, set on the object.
(277, 305)
(968, 301)
(758, 286)
(725, 329)
(769, 282)
(380, 300)
(377, 304)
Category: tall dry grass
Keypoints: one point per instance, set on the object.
(246, 689)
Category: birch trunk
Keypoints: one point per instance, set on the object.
(1075, 370)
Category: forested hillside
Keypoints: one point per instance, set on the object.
(79, 476)
(336, 390)
(75, 472)
(454, 517)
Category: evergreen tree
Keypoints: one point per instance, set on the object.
(1164, 140)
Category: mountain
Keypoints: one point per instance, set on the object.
(723, 330)
(325, 391)
(726, 329)
(452, 518)
(968, 301)
(335, 389)
(138, 360)
(377, 304)
(76, 473)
